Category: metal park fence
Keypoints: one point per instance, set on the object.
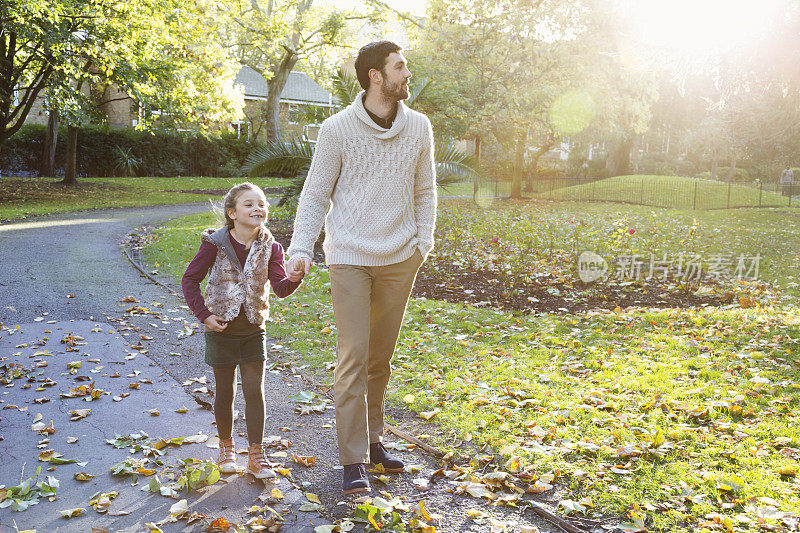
(656, 191)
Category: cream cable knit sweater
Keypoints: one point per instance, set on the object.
(377, 186)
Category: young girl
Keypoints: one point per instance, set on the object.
(242, 257)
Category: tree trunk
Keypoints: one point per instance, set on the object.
(72, 153)
(732, 168)
(531, 174)
(476, 178)
(528, 181)
(619, 159)
(714, 163)
(519, 162)
(280, 73)
(48, 166)
(546, 147)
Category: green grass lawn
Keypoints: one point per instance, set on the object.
(686, 419)
(22, 197)
(667, 191)
(486, 188)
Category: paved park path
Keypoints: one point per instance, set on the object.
(63, 280)
(65, 276)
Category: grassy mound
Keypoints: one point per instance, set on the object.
(666, 191)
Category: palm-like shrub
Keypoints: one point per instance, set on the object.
(346, 88)
(125, 163)
(293, 158)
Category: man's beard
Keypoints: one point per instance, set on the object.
(396, 92)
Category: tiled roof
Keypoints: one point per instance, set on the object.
(299, 87)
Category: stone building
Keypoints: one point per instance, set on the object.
(299, 94)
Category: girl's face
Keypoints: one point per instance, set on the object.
(250, 211)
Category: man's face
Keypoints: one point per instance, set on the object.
(395, 75)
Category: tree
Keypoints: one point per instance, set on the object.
(164, 54)
(622, 89)
(499, 70)
(34, 38)
(760, 93)
(739, 104)
(272, 39)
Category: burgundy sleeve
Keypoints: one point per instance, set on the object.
(281, 284)
(195, 273)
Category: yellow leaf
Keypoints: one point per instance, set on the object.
(371, 518)
(78, 414)
(277, 494)
(427, 415)
(304, 460)
(513, 465)
(310, 496)
(71, 513)
(45, 455)
(179, 508)
(377, 469)
(284, 472)
(422, 512)
(220, 523)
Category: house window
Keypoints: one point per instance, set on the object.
(311, 131)
(141, 112)
(242, 129)
(294, 110)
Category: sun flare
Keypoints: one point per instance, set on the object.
(701, 26)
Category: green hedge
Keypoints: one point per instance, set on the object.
(740, 175)
(661, 164)
(158, 154)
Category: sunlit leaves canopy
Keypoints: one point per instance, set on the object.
(166, 54)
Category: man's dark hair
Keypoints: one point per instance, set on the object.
(373, 56)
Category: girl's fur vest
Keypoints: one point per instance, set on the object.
(230, 286)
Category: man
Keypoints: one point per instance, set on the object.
(786, 181)
(373, 175)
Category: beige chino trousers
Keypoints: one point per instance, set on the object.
(368, 307)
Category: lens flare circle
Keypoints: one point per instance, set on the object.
(572, 112)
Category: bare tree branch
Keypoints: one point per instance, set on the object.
(400, 14)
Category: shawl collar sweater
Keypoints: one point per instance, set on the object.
(373, 188)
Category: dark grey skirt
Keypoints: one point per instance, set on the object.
(225, 350)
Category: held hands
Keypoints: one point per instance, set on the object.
(215, 323)
(297, 268)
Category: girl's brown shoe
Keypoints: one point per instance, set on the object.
(257, 464)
